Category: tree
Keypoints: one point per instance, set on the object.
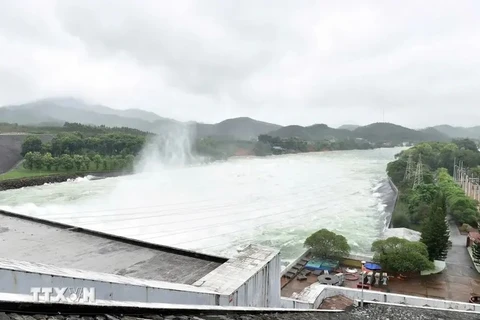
(86, 162)
(129, 160)
(325, 244)
(46, 147)
(262, 149)
(121, 163)
(28, 163)
(48, 161)
(435, 231)
(466, 144)
(396, 170)
(67, 162)
(105, 164)
(398, 255)
(400, 219)
(37, 160)
(57, 162)
(31, 144)
(97, 159)
(476, 251)
(78, 161)
(113, 163)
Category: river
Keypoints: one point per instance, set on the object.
(217, 208)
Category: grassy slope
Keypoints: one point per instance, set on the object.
(20, 172)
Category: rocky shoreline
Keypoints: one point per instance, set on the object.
(38, 181)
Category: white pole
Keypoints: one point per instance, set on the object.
(363, 281)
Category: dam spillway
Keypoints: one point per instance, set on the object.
(216, 208)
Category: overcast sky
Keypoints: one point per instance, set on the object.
(283, 61)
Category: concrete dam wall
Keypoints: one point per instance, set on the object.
(11, 147)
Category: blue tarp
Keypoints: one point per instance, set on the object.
(372, 266)
(322, 265)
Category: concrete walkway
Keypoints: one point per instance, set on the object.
(461, 277)
(458, 257)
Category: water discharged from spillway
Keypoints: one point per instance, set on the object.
(219, 207)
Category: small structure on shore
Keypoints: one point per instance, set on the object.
(472, 238)
(326, 265)
(403, 233)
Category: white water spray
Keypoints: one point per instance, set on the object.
(171, 149)
(274, 201)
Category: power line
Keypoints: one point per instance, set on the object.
(409, 170)
(181, 221)
(128, 208)
(418, 179)
(176, 210)
(227, 233)
(232, 222)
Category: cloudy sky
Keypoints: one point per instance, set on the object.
(283, 61)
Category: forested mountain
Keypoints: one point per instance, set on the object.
(311, 133)
(350, 127)
(238, 128)
(459, 132)
(389, 132)
(375, 133)
(57, 111)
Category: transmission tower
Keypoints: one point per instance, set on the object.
(409, 170)
(418, 173)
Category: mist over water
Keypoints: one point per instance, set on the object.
(170, 150)
(177, 199)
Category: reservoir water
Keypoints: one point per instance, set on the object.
(217, 208)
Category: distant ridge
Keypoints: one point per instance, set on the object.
(56, 111)
(459, 132)
(350, 127)
(375, 132)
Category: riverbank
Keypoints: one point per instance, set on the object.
(57, 178)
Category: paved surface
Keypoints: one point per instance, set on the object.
(21, 239)
(458, 256)
(336, 303)
(457, 282)
(372, 312)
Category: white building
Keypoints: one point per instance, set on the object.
(43, 254)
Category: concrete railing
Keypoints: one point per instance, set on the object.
(289, 303)
(395, 189)
(292, 264)
(316, 293)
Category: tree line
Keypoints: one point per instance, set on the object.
(75, 151)
(268, 145)
(70, 127)
(394, 254)
(424, 205)
(77, 162)
(415, 204)
(111, 144)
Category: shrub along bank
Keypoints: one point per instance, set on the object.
(427, 192)
(460, 206)
(61, 177)
(415, 204)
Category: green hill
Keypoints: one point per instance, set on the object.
(376, 133)
(459, 132)
(57, 111)
(315, 132)
(382, 132)
(350, 127)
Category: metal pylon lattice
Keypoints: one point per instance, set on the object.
(418, 180)
(409, 170)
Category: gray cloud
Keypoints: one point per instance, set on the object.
(283, 61)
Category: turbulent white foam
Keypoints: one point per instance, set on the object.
(79, 179)
(220, 207)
